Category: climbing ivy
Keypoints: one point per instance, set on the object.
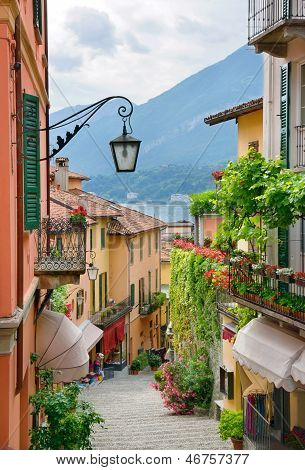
(193, 304)
(59, 299)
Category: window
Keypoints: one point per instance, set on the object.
(100, 283)
(132, 295)
(157, 280)
(141, 248)
(37, 20)
(79, 303)
(31, 151)
(156, 241)
(103, 238)
(59, 245)
(149, 286)
(131, 253)
(303, 95)
(141, 291)
(149, 244)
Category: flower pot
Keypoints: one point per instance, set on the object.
(300, 282)
(238, 444)
(154, 368)
(134, 372)
(285, 278)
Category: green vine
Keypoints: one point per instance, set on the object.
(59, 299)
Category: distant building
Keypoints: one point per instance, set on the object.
(132, 196)
(183, 228)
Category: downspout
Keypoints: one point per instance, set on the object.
(20, 197)
(46, 48)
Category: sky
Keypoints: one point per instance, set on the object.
(136, 48)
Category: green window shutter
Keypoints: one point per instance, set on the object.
(286, 8)
(132, 294)
(31, 151)
(106, 290)
(284, 113)
(37, 15)
(100, 282)
(283, 247)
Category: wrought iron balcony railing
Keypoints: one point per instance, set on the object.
(264, 290)
(256, 427)
(61, 247)
(266, 14)
(109, 315)
(300, 146)
(150, 302)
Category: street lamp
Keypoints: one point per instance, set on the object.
(125, 149)
(92, 272)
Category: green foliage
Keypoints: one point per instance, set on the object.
(257, 194)
(154, 360)
(143, 359)
(34, 357)
(203, 203)
(231, 424)
(135, 365)
(244, 315)
(158, 299)
(199, 378)
(193, 306)
(158, 376)
(69, 422)
(59, 299)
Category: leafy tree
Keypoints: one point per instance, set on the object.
(203, 203)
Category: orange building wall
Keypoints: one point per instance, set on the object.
(14, 409)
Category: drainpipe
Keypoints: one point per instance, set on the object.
(20, 196)
(46, 48)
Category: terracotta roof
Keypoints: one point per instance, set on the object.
(72, 174)
(73, 200)
(233, 113)
(165, 251)
(130, 222)
(60, 210)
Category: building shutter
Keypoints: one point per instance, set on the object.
(284, 114)
(100, 280)
(132, 294)
(31, 151)
(37, 15)
(283, 233)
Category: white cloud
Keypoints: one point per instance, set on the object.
(138, 48)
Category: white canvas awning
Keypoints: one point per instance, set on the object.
(61, 346)
(91, 333)
(298, 369)
(269, 351)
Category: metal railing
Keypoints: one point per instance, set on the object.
(264, 14)
(110, 314)
(256, 427)
(148, 303)
(300, 130)
(61, 247)
(281, 294)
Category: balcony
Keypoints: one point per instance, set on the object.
(280, 296)
(61, 252)
(110, 314)
(273, 23)
(151, 302)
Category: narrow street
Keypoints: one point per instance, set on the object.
(135, 418)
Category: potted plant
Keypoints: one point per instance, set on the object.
(285, 274)
(154, 361)
(135, 367)
(299, 278)
(232, 426)
(270, 270)
(78, 216)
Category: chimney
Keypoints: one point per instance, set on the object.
(83, 201)
(61, 177)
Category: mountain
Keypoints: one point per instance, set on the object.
(171, 125)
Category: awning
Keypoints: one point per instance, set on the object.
(298, 369)
(113, 334)
(269, 351)
(61, 346)
(91, 333)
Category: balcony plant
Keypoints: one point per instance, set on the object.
(154, 361)
(285, 274)
(270, 270)
(299, 278)
(231, 426)
(69, 422)
(78, 216)
(135, 367)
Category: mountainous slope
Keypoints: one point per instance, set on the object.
(171, 125)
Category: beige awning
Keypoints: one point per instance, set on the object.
(268, 350)
(91, 333)
(298, 369)
(61, 346)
